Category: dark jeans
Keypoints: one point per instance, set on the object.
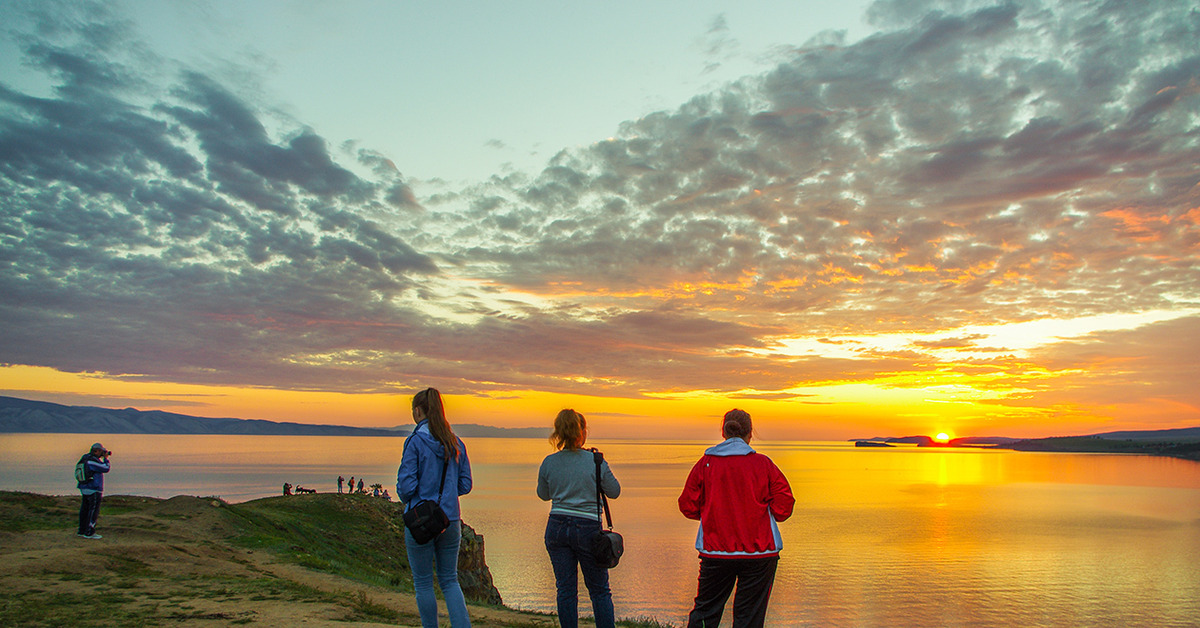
(753, 576)
(89, 511)
(569, 543)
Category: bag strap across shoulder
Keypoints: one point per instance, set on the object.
(442, 485)
(601, 498)
(445, 463)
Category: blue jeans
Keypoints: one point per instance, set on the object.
(569, 543)
(443, 550)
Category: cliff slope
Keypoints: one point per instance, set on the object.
(320, 560)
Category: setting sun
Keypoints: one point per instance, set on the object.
(942, 437)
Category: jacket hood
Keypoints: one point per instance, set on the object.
(731, 447)
(432, 443)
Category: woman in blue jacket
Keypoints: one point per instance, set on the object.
(419, 479)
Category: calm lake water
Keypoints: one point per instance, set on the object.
(881, 537)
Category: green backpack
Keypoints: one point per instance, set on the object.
(81, 471)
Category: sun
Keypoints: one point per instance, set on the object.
(942, 437)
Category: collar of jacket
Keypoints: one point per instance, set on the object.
(731, 447)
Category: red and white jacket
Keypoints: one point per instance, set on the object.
(738, 496)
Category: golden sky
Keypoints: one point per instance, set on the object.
(961, 218)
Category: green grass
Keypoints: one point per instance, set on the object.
(72, 609)
(363, 608)
(20, 512)
(355, 536)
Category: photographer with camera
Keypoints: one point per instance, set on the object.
(91, 486)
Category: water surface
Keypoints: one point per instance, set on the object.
(881, 537)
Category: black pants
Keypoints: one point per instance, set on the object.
(753, 577)
(89, 511)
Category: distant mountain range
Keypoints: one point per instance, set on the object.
(24, 415)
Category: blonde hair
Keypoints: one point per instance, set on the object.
(570, 430)
(430, 402)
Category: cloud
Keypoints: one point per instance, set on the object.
(954, 167)
(961, 342)
(160, 231)
(1143, 375)
(969, 162)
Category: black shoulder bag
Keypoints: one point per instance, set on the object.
(426, 520)
(607, 546)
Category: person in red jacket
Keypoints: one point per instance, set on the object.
(738, 495)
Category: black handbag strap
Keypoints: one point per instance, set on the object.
(442, 486)
(601, 498)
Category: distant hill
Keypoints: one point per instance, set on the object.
(1178, 443)
(472, 430)
(24, 415)
(1183, 448)
(1184, 434)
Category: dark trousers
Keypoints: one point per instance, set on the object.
(89, 511)
(569, 543)
(753, 577)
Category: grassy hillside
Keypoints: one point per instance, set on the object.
(354, 536)
(317, 560)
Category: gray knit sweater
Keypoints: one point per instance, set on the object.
(567, 479)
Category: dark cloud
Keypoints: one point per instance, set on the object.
(162, 232)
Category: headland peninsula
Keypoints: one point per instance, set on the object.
(1177, 443)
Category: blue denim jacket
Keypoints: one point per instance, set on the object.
(421, 471)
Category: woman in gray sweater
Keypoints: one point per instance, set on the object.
(567, 479)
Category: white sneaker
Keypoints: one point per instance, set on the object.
(93, 536)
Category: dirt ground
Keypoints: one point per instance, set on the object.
(170, 563)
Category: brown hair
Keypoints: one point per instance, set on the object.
(430, 402)
(737, 424)
(570, 430)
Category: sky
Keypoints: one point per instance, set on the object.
(851, 219)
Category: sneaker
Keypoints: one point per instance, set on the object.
(93, 536)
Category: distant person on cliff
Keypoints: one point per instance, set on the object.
(567, 479)
(350, 487)
(91, 488)
(430, 448)
(738, 496)
(341, 480)
(360, 486)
